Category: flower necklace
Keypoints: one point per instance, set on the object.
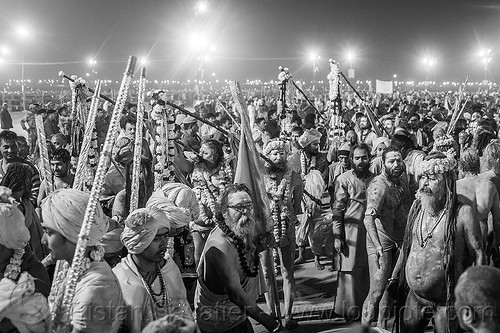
(58, 298)
(207, 193)
(278, 204)
(14, 267)
(306, 164)
(241, 248)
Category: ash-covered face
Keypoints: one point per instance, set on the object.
(394, 164)
(279, 159)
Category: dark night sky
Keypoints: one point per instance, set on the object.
(253, 37)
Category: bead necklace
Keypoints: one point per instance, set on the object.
(420, 238)
(241, 248)
(160, 299)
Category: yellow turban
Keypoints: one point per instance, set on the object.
(63, 211)
(309, 136)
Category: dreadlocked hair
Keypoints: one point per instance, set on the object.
(449, 238)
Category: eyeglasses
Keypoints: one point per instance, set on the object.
(242, 209)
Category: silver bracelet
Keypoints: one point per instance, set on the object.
(277, 328)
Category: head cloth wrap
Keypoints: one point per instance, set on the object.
(308, 137)
(63, 211)
(276, 145)
(182, 196)
(13, 232)
(378, 142)
(142, 224)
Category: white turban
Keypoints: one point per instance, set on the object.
(309, 136)
(63, 211)
(182, 196)
(142, 224)
(13, 232)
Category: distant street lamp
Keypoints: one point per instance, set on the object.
(485, 59)
(350, 60)
(429, 63)
(315, 58)
(201, 7)
(23, 33)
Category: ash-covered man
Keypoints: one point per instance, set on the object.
(227, 286)
(385, 221)
(349, 205)
(284, 188)
(481, 194)
(438, 232)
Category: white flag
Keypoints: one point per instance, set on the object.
(384, 87)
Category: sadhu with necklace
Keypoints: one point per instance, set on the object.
(227, 287)
(438, 231)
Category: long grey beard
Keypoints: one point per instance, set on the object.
(431, 203)
(247, 233)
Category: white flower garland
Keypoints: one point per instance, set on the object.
(61, 312)
(334, 79)
(13, 269)
(207, 193)
(280, 195)
(304, 167)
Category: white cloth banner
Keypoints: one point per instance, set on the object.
(384, 87)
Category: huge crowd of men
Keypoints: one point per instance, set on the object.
(409, 218)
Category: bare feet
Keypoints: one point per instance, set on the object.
(317, 264)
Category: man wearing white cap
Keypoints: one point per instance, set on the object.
(285, 189)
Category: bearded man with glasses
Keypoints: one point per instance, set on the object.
(227, 287)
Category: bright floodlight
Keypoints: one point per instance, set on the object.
(350, 56)
(143, 61)
(22, 31)
(4, 50)
(198, 41)
(313, 56)
(201, 7)
(91, 61)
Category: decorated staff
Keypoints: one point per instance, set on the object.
(457, 114)
(248, 171)
(88, 150)
(334, 94)
(164, 126)
(283, 77)
(79, 112)
(134, 195)
(44, 154)
(78, 266)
